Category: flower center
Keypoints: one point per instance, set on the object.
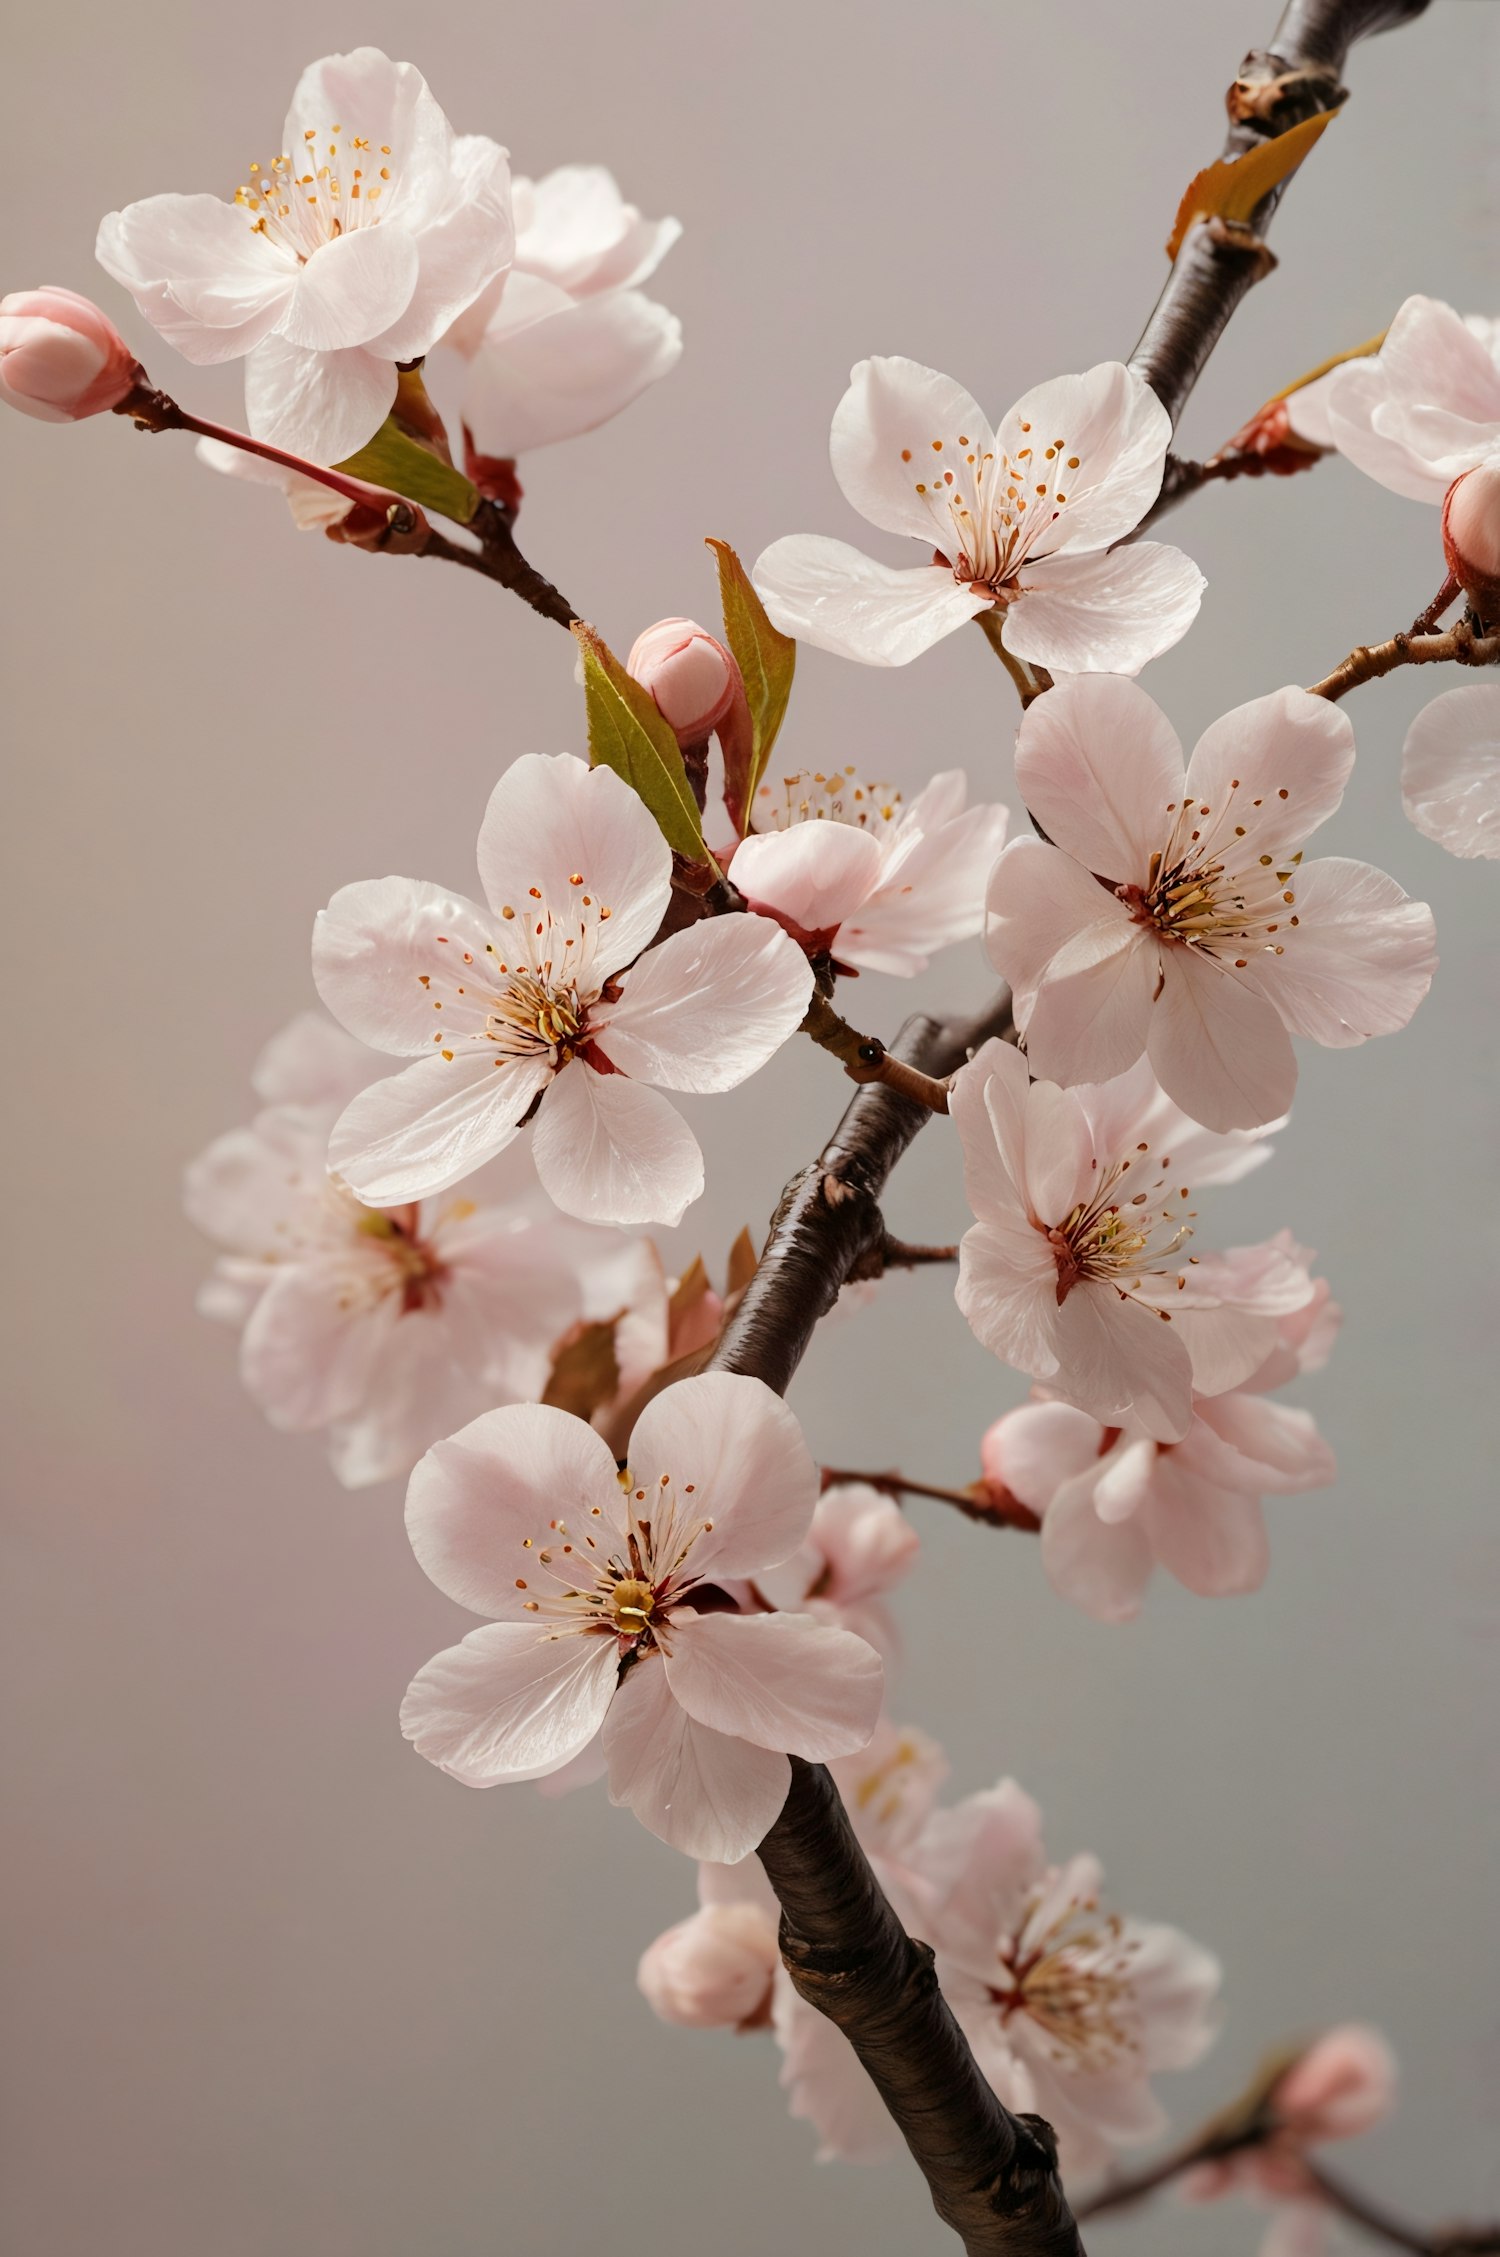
(993, 505)
(1199, 895)
(531, 1014)
(1073, 1981)
(840, 798)
(416, 1269)
(337, 189)
(618, 1580)
(1120, 1234)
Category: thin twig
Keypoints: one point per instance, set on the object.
(1459, 647)
(1373, 2218)
(1030, 681)
(896, 1254)
(974, 1503)
(865, 1058)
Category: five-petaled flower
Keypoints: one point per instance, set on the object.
(1115, 1503)
(547, 994)
(1075, 1271)
(566, 339)
(388, 1327)
(1169, 912)
(609, 1614)
(354, 248)
(844, 866)
(1019, 518)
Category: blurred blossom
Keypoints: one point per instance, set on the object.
(1074, 1270)
(353, 248)
(1422, 410)
(1168, 911)
(1450, 771)
(547, 993)
(845, 867)
(1020, 520)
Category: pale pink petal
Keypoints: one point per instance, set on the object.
(1286, 1453)
(1216, 1045)
(1125, 1480)
(1091, 1013)
(549, 367)
(1268, 773)
(836, 598)
(461, 248)
(782, 1681)
(1175, 1985)
(1116, 1357)
(509, 1292)
(1038, 900)
(307, 1355)
(1450, 771)
(323, 406)
(367, 95)
(828, 2086)
(1007, 1289)
(987, 1106)
(511, 1701)
(866, 1540)
(1100, 767)
(609, 1150)
(890, 430)
(1213, 1541)
(983, 1856)
(1225, 1345)
(1355, 395)
(741, 1451)
(198, 273)
(416, 1394)
(431, 1125)
(254, 1189)
(1060, 1166)
(706, 1793)
(577, 229)
(1112, 420)
(1104, 614)
(1358, 964)
(709, 1006)
(814, 875)
(313, 1062)
(1032, 1451)
(351, 289)
(479, 1495)
(555, 825)
(927, 897)
(1104, 1570)
(400, 963)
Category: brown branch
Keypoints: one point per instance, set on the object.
(1459, 647)
(865, 1058)
(1295, 78)
(993, 2175)
(896, 1254)
(975, 1502)
(1373, 2218)
(499, 559)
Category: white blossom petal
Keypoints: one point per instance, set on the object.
(1359, 962)
(1217, 1046)
(1100, 767)
(549, 367)
(323, 406)
(609, 1150)
(889, 432)
(836, 598)
(1103, 614)
(709, 1006)
(1450, 771)
(781, 1681)
(702, 1791)
(389, 960)
(742, 1451)
(557, 831)
(431, 1125)
(511, 1701)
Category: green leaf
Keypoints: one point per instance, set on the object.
(393, 460)
(627, 733)
(766, 659)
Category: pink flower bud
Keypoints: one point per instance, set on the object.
(60, 357)
(1471, 537)
(1343, 2084)
(713, 1972)
(693, 678)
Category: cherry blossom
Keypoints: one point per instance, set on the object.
(387, 1327)
(566, 339)
(1169, 912)
(1115, 1504)
(1021, 518)
(714, 1970)
(846, 867)
(1074, 1270)
(1421, 411)
(1069, 2009)
(859, 1547)
(352, 249)
(547, 995)
(1450, 771)
(601, 1585)
(61, 358)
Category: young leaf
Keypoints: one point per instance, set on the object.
(393, 460)
(584, 1370)
(1231, 187)
(627, 733)
(766, 659)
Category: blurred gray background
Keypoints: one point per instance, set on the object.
(274, 1985)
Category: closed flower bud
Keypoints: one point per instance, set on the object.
(1471, 537)
(712, 1972)
(1342, 2086)
(693, 678)
(60, 357)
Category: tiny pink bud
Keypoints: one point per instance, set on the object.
(1343, 2084)
(61, 358)
(693, 678)
(1471, 537)
(713, 1972)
